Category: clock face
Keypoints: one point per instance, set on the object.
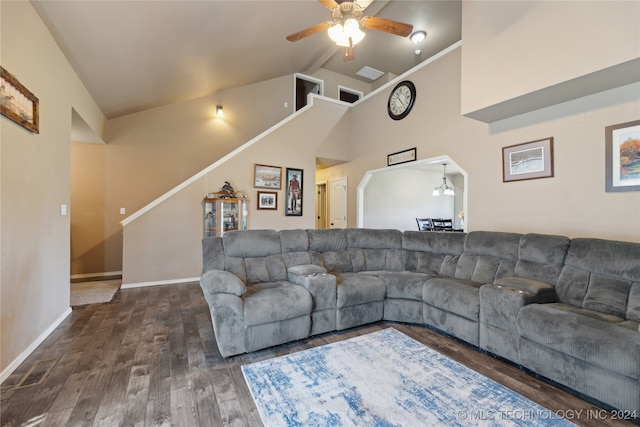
(401, 100)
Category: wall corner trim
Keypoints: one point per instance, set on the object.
(43, 336)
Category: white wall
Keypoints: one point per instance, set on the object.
(395, 198)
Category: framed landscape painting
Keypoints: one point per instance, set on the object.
(622, 157)
(530, 160)
(265, 176)
(17, 103)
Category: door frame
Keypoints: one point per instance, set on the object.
(321, 200)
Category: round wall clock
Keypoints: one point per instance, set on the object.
(401, 100)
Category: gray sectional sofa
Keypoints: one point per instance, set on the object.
(568, 310)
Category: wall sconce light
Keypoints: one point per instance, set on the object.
(219, 111)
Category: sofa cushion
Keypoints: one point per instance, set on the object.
(600, 274)
(488, 256)
(275, 301)
(633, 304)
(461, 297)
(607, 294)
(295, 247)
(375, 249)
(541, 257)
(212, 254)
(431, 253)
(403, 284)
(601, 339)
(251, 243)
(357, 288)
(329, 248)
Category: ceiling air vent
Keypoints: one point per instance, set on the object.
(370, 73)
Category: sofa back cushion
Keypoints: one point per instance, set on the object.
(432, 252)
(254, 255)
(295, 247)
(602, 275)
(488, 256)
(212, 254)
(374, 250)
(329, 249)
(541, 256)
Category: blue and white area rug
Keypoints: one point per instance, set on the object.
(382, 379)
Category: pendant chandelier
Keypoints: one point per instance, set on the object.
(443, 189)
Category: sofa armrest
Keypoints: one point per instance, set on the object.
(296, 272)
(541, 292)
(321, 286)
(222, 282)
(501, 301)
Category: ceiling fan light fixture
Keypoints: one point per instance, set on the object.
(418, 36)
(346, 35)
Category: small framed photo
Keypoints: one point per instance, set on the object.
(294, 192)
(401, 157)
(267, 176)
(530, 160)
(622, 157)
(268, 200)
(17, 103)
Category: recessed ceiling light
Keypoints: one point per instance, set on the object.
(418, 36)
(370, 73)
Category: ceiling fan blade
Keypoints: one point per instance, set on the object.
(308, 32)
(329, 4)
(387, 26)
(348, 54)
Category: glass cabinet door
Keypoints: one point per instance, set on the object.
(222, 215)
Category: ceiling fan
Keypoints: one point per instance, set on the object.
(344, 29)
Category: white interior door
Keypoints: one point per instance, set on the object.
(338, 205)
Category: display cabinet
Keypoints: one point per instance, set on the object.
(222, 215)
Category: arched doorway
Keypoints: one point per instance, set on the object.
(393, 197)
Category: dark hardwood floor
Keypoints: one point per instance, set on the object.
(149, 358)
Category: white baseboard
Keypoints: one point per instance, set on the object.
(159, 283)
(27, 352)
(90, 275)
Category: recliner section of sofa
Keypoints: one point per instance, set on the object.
(588, 339)
(566, 309)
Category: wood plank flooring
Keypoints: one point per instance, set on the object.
(149, 358)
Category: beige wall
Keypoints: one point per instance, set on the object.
(88, 184)
(165, 242)
(573, 203)
(34, 278)
(519, 56)
(150, 152)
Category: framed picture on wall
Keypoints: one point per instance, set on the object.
(294, 192)
(267, 200)
(622, 157)
(265, 176)
(17, 103)
(530, 160)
